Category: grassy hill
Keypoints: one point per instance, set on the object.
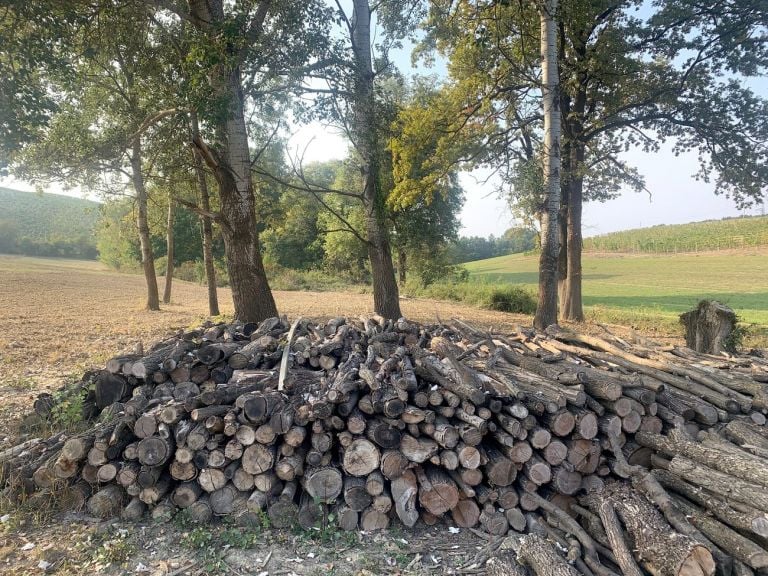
(47, 224)
(693, 237)
(651, 291)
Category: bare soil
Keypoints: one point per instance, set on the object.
(59, 318)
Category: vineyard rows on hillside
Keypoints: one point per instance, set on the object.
(694, 237)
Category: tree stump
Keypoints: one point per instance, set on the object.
(709, 327)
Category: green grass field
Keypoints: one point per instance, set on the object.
(651, 291)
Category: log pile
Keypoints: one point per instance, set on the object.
(631, 458)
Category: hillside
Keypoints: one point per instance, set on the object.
(703, 236)
(47, 224)
(650, 291)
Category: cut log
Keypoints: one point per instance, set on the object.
(437, 492)
(107, 502)
(355, 494)
(372, 520)
(284, 512)
(258, 459)
(155, 451)
(323, 484)
(466, 513)
(361, 458)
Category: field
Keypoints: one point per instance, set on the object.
(649, 292)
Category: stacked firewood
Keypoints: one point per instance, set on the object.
(567, 436)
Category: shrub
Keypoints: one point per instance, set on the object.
(511, 299)
(503, 298)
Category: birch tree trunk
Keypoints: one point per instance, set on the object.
(147, 258)
(169, 251)
(546, 309)
(205, 205)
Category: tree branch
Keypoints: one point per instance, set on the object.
(152, 120)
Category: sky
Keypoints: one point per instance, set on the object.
(675, 196)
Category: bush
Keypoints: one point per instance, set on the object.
(503, 298)
(287, 279)
(511, 299)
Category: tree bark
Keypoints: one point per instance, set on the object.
(230, 161)
(169, 252)
(386, 297)
(402, 263)
(546, 309)
(147, 258)
(207, 224)
(572, 308)
(570, 301)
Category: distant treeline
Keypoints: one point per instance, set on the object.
(513, 241)
(47, 225)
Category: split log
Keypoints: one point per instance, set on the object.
(404, 492)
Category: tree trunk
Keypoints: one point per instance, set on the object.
(571, 304)
(205, 205)
(386, 297)
(169, 253)
(147, 258)
(402, 262)
(250, 290)
(546, 309)
(570, 301)
(565, 182)
(230, 161)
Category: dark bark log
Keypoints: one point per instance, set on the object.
(734, 488)
(107, 502)
(708, 327)
(155, 451)
(728, 540)
(657, 548)
(355, 494)
(746, 467)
